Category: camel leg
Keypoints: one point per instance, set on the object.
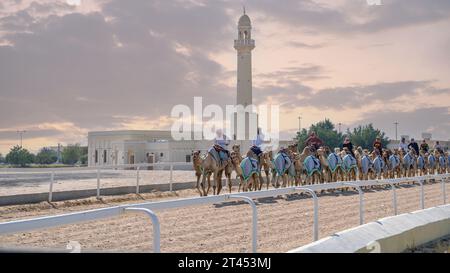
(215, 175)
(285, 180)
(219, 182)
(198, 184)
(203, 185)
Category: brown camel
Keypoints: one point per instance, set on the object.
(266, 165)
(236, 159)
(197, 161)
(211, 166)
(326, 172)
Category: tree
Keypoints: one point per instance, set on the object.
(2, 159)
(365, 135)
(301, 138)
(19, 156)
(46, 156)
(71, 154)
(84, 155)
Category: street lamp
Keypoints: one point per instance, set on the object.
(299, 123)
(396, 127)
(21, 136)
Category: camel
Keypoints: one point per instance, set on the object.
(394, 165)
(422, 162)
(266, 166)
(313, 170)
(298, 159)
(441, 162)
(349, 163)
(359, 154)
(259, 181)
(378, 164)
(236, 159)
(284, 174)
(338, 174)
(326, 171)
(386, 167)
(431, 163)
(409, 163)
(211, 166)
(197, 161)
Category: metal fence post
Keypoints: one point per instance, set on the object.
(394, 198)
(361, 201)
(171, 177)
(254, 219)
(137, 180)
(316, 212)
(50, 192)
(156, 227)
(422, 195)
(98, 183)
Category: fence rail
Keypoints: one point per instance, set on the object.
(98, 169)
(150, 207)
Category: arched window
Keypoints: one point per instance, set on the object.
(240, 35)
(246, 35)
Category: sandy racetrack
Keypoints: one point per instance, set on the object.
(283, 223)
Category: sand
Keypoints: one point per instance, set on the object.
(283, 223)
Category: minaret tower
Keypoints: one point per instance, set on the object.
(244, 129)
(244, 46)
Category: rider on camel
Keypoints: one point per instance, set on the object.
(256, 143)
(313, 141)
(221, 143)
(378, 146)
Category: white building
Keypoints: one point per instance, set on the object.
(131, 147)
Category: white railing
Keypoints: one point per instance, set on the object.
(138, 167)
(150, 207)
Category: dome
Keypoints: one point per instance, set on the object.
(244, 20)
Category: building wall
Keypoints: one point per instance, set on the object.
(122, 147)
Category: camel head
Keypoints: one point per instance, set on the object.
(337, 150)
(437, 153)
(234, 157)
(236, 148)
(196, 156)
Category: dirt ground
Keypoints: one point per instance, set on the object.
(283, 223)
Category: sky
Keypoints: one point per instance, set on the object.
(72, 66)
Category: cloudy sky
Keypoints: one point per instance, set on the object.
(73, 66)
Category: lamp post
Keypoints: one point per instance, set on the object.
(299, 123)
(396, 127)
(21, 136)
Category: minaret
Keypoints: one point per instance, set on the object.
(244, 46)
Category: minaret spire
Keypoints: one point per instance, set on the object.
(243, 6)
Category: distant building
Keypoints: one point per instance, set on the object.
(426, 136)
(139, 146)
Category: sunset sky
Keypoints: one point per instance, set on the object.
(70, 67)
